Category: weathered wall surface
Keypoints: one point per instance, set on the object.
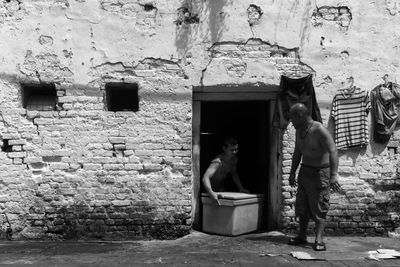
(351, 39)
(81, 170)
(333, 40)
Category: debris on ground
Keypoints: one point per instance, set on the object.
(392, 252)
(301, 255)
(274, 233)
(158, 260)
(383, 254)
(269, 254)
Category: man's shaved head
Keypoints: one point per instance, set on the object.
(299, 115)
(300, 109)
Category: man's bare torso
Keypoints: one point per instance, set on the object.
(309, 144)
(223, 168)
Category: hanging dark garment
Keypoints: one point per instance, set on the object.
(295, 91)
(385, 112)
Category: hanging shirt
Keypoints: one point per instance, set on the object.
(350, 114)
(294, 91)
(385, 112)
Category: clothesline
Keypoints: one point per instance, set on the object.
(349, 109)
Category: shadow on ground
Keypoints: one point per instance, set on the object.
(60, 248)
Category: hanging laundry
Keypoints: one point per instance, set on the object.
(350, 109)
(294, 91)
(385, 112)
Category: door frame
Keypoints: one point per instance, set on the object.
(246, 92)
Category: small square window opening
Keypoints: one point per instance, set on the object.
(122, 97)
(6, 147)
(41, 97)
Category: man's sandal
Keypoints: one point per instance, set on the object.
(295, 241)
(319, 246)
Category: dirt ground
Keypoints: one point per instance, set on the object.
(197, 249)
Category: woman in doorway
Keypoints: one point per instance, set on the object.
(221, 166)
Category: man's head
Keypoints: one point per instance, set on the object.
(230, 146)
(299, 115)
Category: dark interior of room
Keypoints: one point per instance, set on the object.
(248, 122)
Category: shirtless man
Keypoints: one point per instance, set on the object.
(317, 152)
(222, 165)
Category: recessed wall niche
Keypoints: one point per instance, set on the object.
(122, 97)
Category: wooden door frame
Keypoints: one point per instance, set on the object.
(238, 93)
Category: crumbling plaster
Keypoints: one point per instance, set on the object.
(87, 33)
(370, 39)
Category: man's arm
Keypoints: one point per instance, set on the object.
(328, 144)
(296, 158)
(206, 181)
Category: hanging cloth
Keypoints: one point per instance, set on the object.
(294, 91)
(350, 113)
(385, 112)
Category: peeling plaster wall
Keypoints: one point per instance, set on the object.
(83, 171)
(333, 40)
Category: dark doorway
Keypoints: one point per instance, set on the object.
(246, 112)
(248, 121)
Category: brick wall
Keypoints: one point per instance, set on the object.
(83, 171)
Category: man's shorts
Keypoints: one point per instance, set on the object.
(312, 197)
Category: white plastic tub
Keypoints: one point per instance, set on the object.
(237, 214)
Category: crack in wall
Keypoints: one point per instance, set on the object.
(142, 68)
(393, 7)
(84, 19)
(133, 10)
(44, 67)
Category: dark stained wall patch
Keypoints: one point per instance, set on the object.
(185, 16)
(149, 7)
(254, 14)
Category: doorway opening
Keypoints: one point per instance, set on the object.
(248, 122)
(245, 112)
